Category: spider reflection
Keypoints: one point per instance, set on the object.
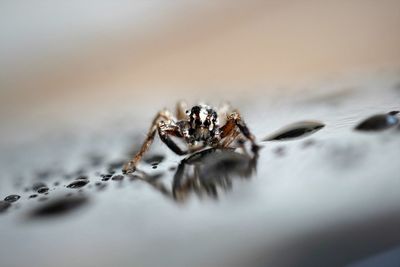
(206, 173)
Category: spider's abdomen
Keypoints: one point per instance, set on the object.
(203, 123)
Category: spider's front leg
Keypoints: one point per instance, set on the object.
(165, 130)
(229, 130)
(131, 165)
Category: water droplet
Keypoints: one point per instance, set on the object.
(12, 198)
(43, 190)
(4, 205)
(33, 196)
(377, 123)
(105, 177)
(36, 186)
(117, 177)
(59, 207)
(78, 183)
(295, 131)
(154, 159)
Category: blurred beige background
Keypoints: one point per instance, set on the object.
(67, 54)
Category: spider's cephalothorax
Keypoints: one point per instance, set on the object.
(199, 127)
(203, 124)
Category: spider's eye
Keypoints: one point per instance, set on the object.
(187, 111)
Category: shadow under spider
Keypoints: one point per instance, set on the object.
(205, 173)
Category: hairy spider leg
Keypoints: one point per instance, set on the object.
(162, 115)
(234, 122)
(232, 135)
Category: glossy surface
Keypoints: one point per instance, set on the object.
(328, 199)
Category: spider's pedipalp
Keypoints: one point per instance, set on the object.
(165, 130)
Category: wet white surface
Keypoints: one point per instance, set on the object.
(331, 201)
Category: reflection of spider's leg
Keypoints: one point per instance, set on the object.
(180, 188)
(235, 121)
(241, 142)
(161, 188)
(131, 165)
(167, 129)
(180, 111)
(252, 165)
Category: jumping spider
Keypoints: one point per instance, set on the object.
(199, 127)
